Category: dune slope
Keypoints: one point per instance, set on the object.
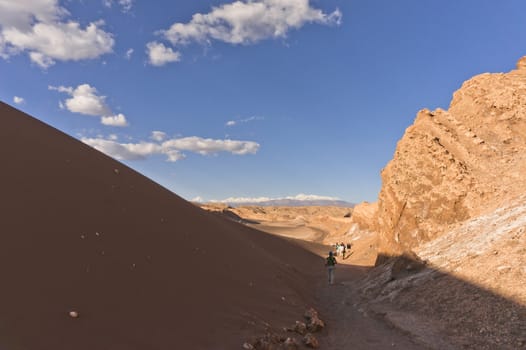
(143, 268)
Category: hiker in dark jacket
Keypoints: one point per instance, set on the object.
(331, 266)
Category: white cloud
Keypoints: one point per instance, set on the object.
(210, 146)
(41, 59)
(37, 27)
(3, 50)
(125, 4)
(172, 148)
(18, 100)
(197, 199)
(115, 120)
(246, 120)
(114, 149)
(249, 21)
(158, 135)
(129, 53)
(86, 100)
(22, 14)
(159, 55)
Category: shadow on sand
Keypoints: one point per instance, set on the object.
(236, 218)
(434, 309)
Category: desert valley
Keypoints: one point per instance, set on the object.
(93, 255)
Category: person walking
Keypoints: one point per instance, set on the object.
(331, 266)
(339, 249)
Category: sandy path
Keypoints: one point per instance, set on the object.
(291, 230)
(348, 326)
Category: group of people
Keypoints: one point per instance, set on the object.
(341, 249)
(331, 261)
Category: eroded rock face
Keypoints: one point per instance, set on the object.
(455, 164)
(363, 215)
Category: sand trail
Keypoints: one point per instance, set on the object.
(291, 230)
(348, 325)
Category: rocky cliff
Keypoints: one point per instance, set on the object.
(453, 165)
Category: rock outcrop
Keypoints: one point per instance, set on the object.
(453, 165)
(463, 290)
(363, 216)
(277, 341)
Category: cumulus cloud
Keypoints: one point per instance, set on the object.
(171, 148)
(248, 22)
(245, 22)
(38, 28)
(115, 120)
(22, 14)
(86, 100)
(159, 54)
(18, 100)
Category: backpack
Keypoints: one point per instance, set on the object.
(331, 261)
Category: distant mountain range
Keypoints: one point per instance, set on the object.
(293, 203)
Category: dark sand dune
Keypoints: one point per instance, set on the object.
(144, 268)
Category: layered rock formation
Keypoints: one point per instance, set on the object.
(453, 165)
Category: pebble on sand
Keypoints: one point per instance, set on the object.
(73, 314)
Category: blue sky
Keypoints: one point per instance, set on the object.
(267, 98)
